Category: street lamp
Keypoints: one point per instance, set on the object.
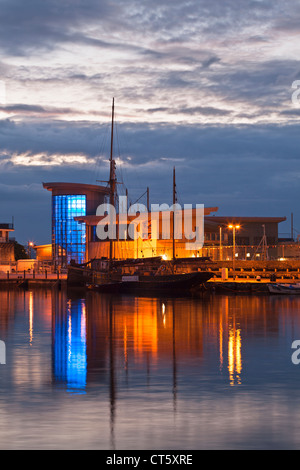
(30, 245)
(233, 228)
(220, 241)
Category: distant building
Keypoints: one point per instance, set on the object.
(74, 232)
(144, 246)
(251, 230)
(253, 235)
(7, 254)
(44, 253)
(218, 239)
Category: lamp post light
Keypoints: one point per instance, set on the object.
(30, 245)
(221, 249)
(233, 228)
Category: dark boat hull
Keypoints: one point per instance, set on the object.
(173, 284)
(80, 275)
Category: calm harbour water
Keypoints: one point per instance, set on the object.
(103, 372)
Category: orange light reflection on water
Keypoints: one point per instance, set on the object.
(230, 333)
(234, 356)
(31, 314)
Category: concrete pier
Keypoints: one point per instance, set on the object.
(32, 279)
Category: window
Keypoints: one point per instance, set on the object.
(242, 241)
(94, 237)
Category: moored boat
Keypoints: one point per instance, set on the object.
(172, 284)
(287, 289)
(154, 274)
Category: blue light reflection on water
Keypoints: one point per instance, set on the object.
(125, 372)
(69, 348)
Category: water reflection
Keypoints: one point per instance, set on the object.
(230, 333)
(31, 314)
(70, 344)
(94, 336)
(211, 372)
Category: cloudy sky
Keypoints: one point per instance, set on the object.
(205, 85)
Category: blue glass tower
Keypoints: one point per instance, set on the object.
(69, 236)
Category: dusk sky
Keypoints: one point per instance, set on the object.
(205, 86)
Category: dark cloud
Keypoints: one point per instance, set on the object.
(186, 62)
(199, 110)
(33, 24)
(28, 109)
(244, 170)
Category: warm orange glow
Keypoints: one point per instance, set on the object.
(221, 342)
(125, 341)
(145, 330)
(31, 313)
(234, 356)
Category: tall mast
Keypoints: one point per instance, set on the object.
(112, 175)
(174, 202)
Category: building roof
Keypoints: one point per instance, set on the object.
(8, 227)
(245, 220)
(95, 219)
(76, 187)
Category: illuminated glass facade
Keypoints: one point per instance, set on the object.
(69, 236)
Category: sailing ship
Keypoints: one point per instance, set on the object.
(147, 275)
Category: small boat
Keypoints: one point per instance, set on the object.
(287, 289)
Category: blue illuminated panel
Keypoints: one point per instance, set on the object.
(69, 236)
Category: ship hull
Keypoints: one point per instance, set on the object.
(176, 284)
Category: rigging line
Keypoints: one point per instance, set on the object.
(179, 196)
(140, 197)
(102, 143)
(120, 166)
(101, 150)
(125, 146)
(119, 170)
(117, 134)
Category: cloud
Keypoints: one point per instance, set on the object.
(244, 170)
(35, 24)
(44, 159)
(199, 84)
(28, 110)
(206, 111)
(216, 58)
